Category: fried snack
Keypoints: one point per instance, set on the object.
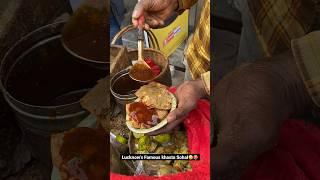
(80, 153)
(162, 113)
(149, 112)
(152, 106)
(155, 95)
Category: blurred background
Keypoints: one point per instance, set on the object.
(17, 19)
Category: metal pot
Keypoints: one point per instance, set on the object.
(43, 85)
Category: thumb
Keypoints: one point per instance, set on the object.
(140, 7)
(138, 10)
(184, 107)
(177, 114)
(137, 15)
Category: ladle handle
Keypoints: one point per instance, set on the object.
(151, 36)
(140, 44)
(140, 34)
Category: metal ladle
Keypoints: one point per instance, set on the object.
(140, 65)
(85, 35)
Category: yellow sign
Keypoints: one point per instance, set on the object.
(171, 36)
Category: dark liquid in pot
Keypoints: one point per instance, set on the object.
(86, 33)
(124, 85)
(48, 72)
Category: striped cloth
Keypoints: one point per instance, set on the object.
(198, 51)
(307, 55)
(277, 22)
(284, 24)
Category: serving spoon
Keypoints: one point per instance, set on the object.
(141, 70)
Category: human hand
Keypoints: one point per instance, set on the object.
(187, 95)
(153, 13)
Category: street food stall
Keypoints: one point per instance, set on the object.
(75, 108)
(140, 105)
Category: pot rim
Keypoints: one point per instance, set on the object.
(11, 49)
(114, 80)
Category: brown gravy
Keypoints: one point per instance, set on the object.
(141, 72)
(140, 112)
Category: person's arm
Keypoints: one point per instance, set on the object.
(251, 103)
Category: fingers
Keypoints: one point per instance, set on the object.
(139, 14)
(176, 114)
(151, 21)
(168, 128)
(154, 21)
(146, 27)
(135, 22)
(174, 119)
(141, 21)
(138, 11)
(185, 105)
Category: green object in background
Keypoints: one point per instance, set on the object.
(144, 140)
(121, 139)
(144, 143)
(162, 138)
(137, 135)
